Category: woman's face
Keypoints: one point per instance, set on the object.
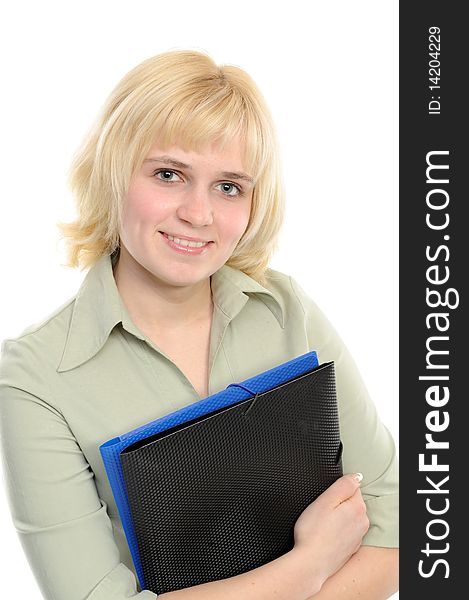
(179, 197)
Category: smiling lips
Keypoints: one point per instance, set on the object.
(186, 244)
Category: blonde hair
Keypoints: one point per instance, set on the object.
(183, 96)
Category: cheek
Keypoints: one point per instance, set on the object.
(235, 224)
(244, 217)
(144, 208)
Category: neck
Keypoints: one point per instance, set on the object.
(159, 306)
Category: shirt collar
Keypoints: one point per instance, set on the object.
(231, 289)
(98, 308)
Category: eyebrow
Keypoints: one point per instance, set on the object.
(169, 160)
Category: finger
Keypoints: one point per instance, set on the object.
(343, 489)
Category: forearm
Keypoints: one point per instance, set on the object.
(371, 574)
(289, 577)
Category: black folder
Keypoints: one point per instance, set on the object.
(219, 495)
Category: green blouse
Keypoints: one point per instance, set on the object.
(87, 374)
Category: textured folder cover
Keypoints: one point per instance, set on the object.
(214, 490)
(110, 451)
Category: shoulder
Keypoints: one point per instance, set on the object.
(27, 358)
(290, 291)
(298, 304)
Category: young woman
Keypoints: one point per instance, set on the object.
(180, 203)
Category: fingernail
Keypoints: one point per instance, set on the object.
(358, 477)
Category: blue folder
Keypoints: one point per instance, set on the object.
(236, 392)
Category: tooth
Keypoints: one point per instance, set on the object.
(186, 243)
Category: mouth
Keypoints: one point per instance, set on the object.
(185, 240)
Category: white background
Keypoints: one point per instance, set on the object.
(329, 73)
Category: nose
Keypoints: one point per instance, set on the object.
(196, 208)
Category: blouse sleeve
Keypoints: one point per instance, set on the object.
(62, 523)
(368, 447)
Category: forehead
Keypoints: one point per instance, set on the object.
(239, 142)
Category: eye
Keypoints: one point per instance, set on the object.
(230, 189)
(167, 175)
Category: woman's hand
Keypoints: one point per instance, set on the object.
(331, 528)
